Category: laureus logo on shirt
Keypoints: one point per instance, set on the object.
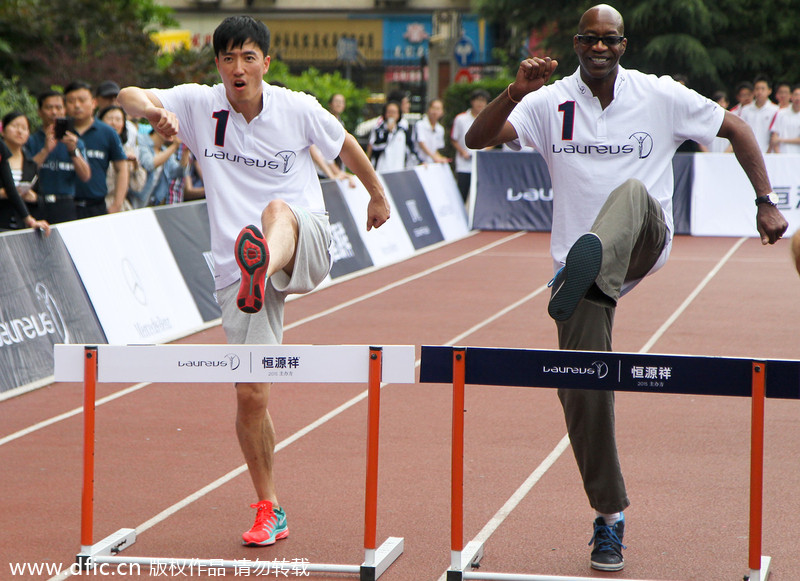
(283, 162)
(642, 146)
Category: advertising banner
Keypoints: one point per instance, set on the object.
(413, 207)
(513, 192)
(42, 302)
(347, 249)
(444, 198)
(388, 244)
(723, 198)
(131, 277)
(188, 234)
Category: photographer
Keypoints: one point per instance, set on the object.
(61, 158)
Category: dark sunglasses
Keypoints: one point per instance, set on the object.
(591, 40)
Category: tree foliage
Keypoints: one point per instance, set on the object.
(48, 43)
(715, 43)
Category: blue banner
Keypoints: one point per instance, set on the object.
(647, 373)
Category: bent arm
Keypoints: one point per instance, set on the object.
(357, 161)
(139, 102)
(770, 222)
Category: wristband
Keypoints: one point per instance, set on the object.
(508, 92)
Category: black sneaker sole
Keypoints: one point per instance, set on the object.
(608, 566)
(580, 271)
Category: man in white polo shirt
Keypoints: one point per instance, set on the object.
(608, 136)
(269, 230)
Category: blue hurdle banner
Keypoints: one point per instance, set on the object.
(679, 374)
(649, 373)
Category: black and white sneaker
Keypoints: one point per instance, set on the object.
(607, 540)
(576, 277)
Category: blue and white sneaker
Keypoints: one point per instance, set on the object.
(607, 540)
(576, 277)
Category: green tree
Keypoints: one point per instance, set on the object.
(49, 43)
(715, 43)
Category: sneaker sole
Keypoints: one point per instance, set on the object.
(580, 271)
(608, 567)
(281, 535)
(252, 256)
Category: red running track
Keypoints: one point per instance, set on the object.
(685, 457)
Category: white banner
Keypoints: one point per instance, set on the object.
(445, 200)
(131, 277)
(388, 244)
(723, 198)
(235, 363)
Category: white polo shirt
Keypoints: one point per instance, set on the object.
(247, 165)
(431, 136)
(458, 133)
(787, 126)
(590, 151)
(760, 120)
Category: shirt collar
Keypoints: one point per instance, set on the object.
(619, 83)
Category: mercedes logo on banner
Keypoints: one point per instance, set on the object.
(133, 281)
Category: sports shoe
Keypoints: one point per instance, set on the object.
(270, 526)
(252, 256)
(607, 552)
(576, 277)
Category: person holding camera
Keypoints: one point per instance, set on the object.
(61, 158)
(103, 148)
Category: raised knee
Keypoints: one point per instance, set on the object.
(274, 210)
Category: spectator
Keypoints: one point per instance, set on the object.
(193, 188)
(62, 161)
(429, 134)
(16, 131)
(160, 158)
(106, 95)
(115, 117)
(478, 100)
(783, 94)
(744, 97)
(390, 140)
(761, 112)
(336, 105)
(13, 201)
(103, 148)
(785, 131)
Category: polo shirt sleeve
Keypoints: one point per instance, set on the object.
(325, 131)
(526, 119)
(117, 152)
(178, 100)
(695, 117)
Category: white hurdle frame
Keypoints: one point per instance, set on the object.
(226, 364)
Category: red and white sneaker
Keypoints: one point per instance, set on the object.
(270, 526)
(252, 256)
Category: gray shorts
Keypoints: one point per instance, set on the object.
(311, 266)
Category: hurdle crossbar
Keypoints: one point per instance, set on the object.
(235, 363)
(608, 371)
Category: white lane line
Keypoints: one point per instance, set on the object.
(514, 500)
(349, 303)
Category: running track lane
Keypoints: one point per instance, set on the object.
(685, 457)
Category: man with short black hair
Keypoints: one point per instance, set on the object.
(62, 162)
(270, 234)
(103, 147)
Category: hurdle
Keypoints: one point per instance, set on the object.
(231, 364)
(636, 372)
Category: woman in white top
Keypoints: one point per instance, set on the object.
(390, 140)
(429, 134)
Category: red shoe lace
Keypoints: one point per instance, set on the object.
(265, 514)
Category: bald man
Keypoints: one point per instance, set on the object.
(608, 136)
